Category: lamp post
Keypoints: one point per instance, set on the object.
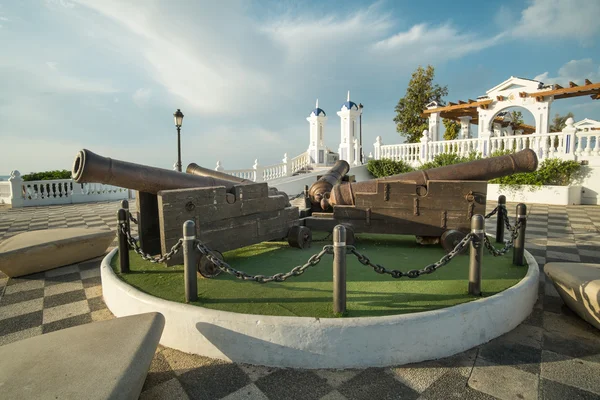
(178, 115)
(360, 107)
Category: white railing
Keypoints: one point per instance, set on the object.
(21, 193)
(258, 173)
(4, 192)
(568, 144)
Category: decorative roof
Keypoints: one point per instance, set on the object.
(317, 112)
(350, 105)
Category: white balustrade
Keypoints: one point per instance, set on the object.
(5, 192)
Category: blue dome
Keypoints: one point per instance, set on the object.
(350, 105)
(318, 112)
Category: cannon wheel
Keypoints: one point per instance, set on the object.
(300, 237)
(206, 268)
(450, 239)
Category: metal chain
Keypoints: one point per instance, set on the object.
(131, 218)
(491, 213)
(280, 277)
(160, 259)
(415, 273)
(326, 238)
(508, 244)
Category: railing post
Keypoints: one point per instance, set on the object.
(190, 261)
(16, 189)
(287, 165)
(125, 206)
(339, 269)
(258, 171)
(377, 147)
(219, 167)
(423, 157)
(123, 218)
(500, 219)
(570, 137)
(476, 254)
(519, 242)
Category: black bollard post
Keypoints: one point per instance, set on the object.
(519, 242)
(339, 269)
(190, 258)
(500, 219)
(125, 205)
(122, 218)
(476, 254)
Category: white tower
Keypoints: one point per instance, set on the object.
(316, 147)
(349, 148)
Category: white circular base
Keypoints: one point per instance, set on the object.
(303, 342)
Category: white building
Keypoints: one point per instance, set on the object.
(350, 148)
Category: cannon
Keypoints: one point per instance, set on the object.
(324, 183)
(228, 214)
(435, 205)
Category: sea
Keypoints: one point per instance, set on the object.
(4, 177)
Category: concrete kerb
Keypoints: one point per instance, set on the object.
(303, 342)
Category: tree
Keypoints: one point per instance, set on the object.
(516, 118)
(559, 122)
(420, 91)
(452, 129)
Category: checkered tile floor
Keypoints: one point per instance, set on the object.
(552, 355)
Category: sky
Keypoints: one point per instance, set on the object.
(108, 75)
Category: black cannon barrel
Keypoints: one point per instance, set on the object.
(333, 176)
(195, 169)
(478, 170)
(91, 167)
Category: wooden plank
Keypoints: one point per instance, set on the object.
(569, 90)
(572, 84)
(251, 191)
(481, 103)
(148, 222)
(588, 82)
(199, 196)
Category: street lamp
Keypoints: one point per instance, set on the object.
(360, 106)
(178, 116)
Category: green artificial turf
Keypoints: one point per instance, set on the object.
(310, 295)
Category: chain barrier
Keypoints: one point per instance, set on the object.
(508, 244)
(415, 273)
(160, 259)
(280, 277)
(491, 213)
(131, 218)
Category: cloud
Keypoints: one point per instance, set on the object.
(573, 71)
(52, 64)
(550, 19)
(141, 97)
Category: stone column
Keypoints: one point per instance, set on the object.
(465, 127)
(377, 147)
(434, 127)
(425, 147)
(570, 136)
(16, 189)
(258, 171)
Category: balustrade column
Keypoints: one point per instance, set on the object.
(424, 156)
(377, 148)
(569, 133)
(258, 171)
(16, 189)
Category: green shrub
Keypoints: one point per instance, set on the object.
(441, 160)
(552, 171)
(47, 175)
(387, 167)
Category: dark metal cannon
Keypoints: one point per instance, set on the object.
(323, 185)
(91, 167)
(435, 205)
(478, 170)
(229, 212)
(195, 169)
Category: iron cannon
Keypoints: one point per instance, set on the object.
(435, 205)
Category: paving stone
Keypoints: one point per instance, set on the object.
(550, 390)
(571, 371)
(20, 335)
(171, 390)
(250, 391)
(374, 383)
(160, 371)
(21, 322)
(256, 372)
(21, 296)
(96, 303)
(522, 357)
(419, 376)
(536, 318)
(25, 307)
(63, 288)
(20, 284)
(335, 395)
(336, 377)
(293, 384)
(102, 315)
(585, 348)
(524, 334)
(64, 298)
(568, 323)
(453, 385)
(502, 381)
(70, 269)
(64, 323)
(67, 310)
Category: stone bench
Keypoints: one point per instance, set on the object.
(101, 360)
(36, 251)
(578, 284)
